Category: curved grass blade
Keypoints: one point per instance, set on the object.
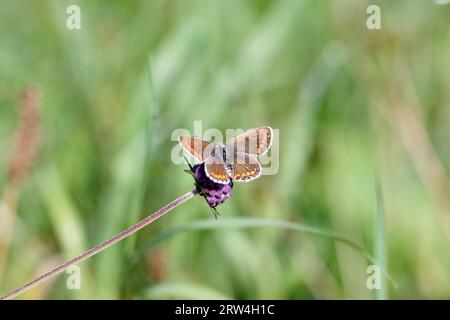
(246, 223)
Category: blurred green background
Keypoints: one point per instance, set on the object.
(355, 108)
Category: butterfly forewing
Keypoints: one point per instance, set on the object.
(199, 148)
(245, 167)
(254, 141)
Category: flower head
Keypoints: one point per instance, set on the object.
(214, 193)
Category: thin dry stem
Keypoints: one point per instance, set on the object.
(102, 246)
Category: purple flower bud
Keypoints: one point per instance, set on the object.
(215, 193)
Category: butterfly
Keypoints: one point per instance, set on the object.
(235, 160)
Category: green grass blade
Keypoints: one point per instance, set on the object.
(246, 223)
(380, 244)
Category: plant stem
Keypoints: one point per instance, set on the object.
(102, 246)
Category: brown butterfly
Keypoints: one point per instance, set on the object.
(236, 159)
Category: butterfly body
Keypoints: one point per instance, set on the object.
(235, 160)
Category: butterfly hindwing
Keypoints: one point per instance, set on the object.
(215, 169)
(245, 167)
